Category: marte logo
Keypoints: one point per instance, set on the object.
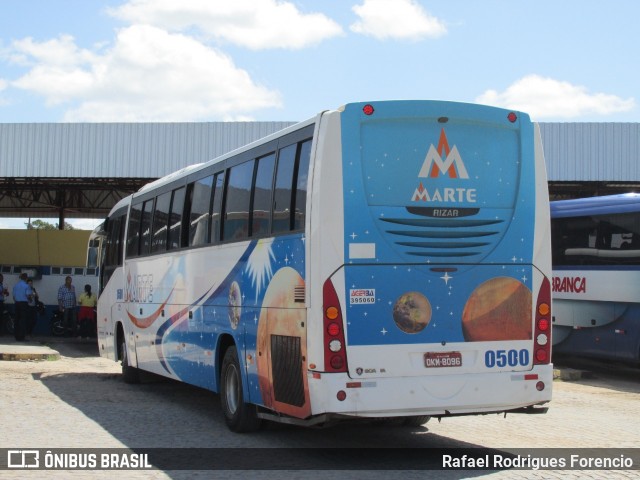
(452, 166)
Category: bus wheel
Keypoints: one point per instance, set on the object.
(417, 420)
(129, 374)
(239, 416)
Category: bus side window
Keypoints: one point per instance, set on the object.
(283, 186)
(145, 227)
(216, 208)
(199, 211)
(114, 247)
(160, 221)
(261, 211)
(238, 201)
(92, 254)
(302, 175)
(133, 236)
(120, 242)
(175, 219)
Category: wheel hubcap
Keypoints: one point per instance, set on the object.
(232, 385)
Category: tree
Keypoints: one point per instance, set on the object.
(39, 224)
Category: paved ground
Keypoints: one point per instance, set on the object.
(79, 401)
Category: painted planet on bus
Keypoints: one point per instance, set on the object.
(499, 309)
(235, 305)
(281, 345)
(412, 312)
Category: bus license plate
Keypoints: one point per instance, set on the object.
(442, 359)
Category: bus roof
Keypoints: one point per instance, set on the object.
(581, 207)
(195, 167)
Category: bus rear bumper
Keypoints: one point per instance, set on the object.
(437, 396)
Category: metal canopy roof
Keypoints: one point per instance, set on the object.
(81, 170)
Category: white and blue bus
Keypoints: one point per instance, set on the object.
(380, 260)
(596, 277)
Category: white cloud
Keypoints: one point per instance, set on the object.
(543, 97)
(58, 68)
(147, 75)
(396, 19)
(162, 67)
(254, 24)
(60, 51)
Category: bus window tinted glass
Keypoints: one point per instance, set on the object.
(145, 227)
(175, 219)
(199, 216)
(262, 196)
(301, 185)
(282, 193)
(133, 240)
(113, 247)
(160, 219)
(216, 224)
(236, 217)
(113, 239)
(610, 239)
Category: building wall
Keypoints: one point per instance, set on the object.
(592, 152)
(63, 248)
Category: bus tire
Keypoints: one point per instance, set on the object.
(239, 416)
(416, 420)
(129, 374)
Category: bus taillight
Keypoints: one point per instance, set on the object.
(542, 337)
(333, 329)
(543, 324)
(335, 355)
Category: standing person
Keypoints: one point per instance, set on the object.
(33, 308)
(88, 302)
(3, 293)
(22, 294)
(67, 305)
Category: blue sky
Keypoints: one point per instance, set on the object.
(213, 60)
